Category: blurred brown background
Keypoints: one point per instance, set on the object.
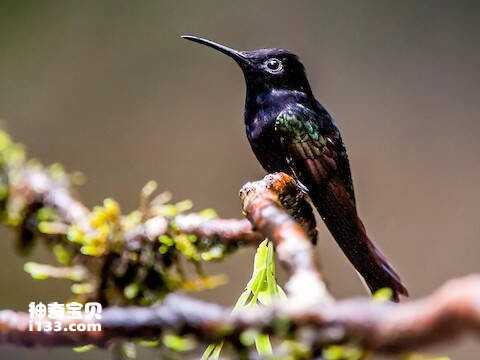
(109, 88)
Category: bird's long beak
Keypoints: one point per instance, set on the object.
(234, 54)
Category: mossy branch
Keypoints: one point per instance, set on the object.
(447, 314)
(125, 259)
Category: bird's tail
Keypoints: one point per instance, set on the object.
(340, 216)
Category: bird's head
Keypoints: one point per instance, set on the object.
(265, 69)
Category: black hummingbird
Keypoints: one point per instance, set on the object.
(290, 131)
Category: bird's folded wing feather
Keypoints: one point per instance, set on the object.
(317, 158)
(316, 154)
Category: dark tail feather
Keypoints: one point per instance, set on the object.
(340, 216)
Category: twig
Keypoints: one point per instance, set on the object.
(226, 231)
(448, 313)
(36, 186)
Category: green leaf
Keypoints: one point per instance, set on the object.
(382, 295)
(213, 351)
(342, 352)
(262, 343)
(242, 300)
(415, 356)
(131, 291)
(178, 343)
(149, 188)
(62, 255)
(82, 288)
(84, 348)
(208, 213)
(263, 288)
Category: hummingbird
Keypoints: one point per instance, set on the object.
(290, 131)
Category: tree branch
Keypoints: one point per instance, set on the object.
(448, 313)
(226, 231)
(129, 259)
(37, 186)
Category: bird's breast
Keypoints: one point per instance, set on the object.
(261, 128)
(265, 142)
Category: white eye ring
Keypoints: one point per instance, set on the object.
(273, 65)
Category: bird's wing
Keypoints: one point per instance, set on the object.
(317, 157)
(314, 147)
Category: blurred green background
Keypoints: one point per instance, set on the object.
(109, 88)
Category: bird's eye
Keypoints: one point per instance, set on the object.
(273, 66)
